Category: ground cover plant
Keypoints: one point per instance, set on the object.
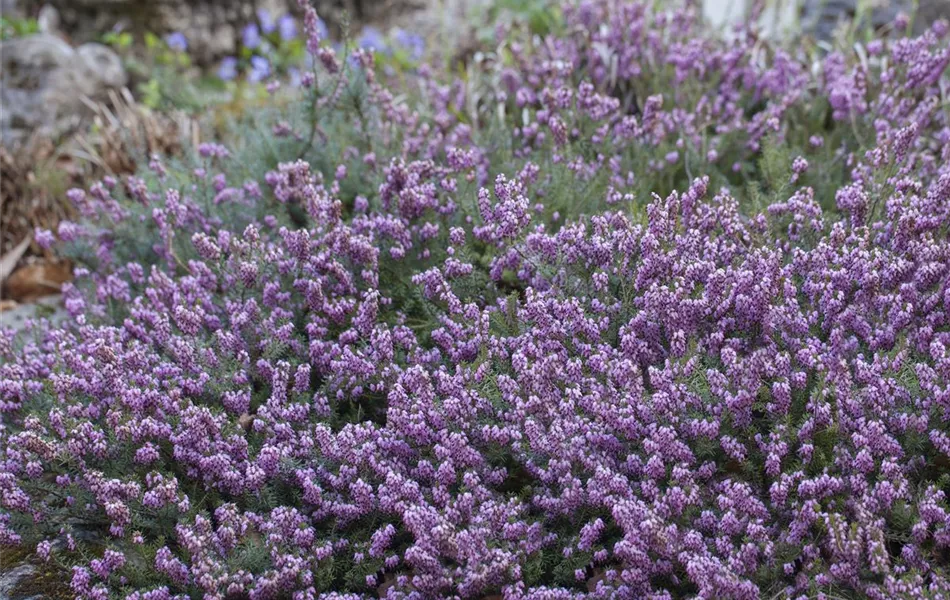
(619, 308)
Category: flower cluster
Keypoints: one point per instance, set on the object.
(646, 342)
(266, 44)
(269, 47)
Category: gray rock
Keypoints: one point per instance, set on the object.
(213, 27)
(19, 319)
(44, 84)
(823, 17)
(12, 578)
(48, 19)
(106, 64)
(11, 9)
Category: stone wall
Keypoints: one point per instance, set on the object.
(821, 17)
(45, 83)
(212, 27)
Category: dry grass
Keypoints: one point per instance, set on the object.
(35, 176)
(47, 580)
(33, 182)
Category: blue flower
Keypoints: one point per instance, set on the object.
(251, 36)
(287, 27)
(322, 29)
(228, 68)
(295, 76)
(412, 42)
(260, 68)
(266, 21)
(371, 39)
(177, 41)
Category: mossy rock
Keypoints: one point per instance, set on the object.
(23, 579)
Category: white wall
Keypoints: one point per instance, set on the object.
(779, 16)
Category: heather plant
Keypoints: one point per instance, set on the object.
(622, 309)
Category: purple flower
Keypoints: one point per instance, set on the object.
(177, 41)
(266, 20)
(314, 28)
(371, 39)
(322, 29)
(260, 69)
(454, 354)
(227, 70)
(412, 42)
(43, 550)
(287, 27)
(251, 36)
(296, 78)
(44, 238)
